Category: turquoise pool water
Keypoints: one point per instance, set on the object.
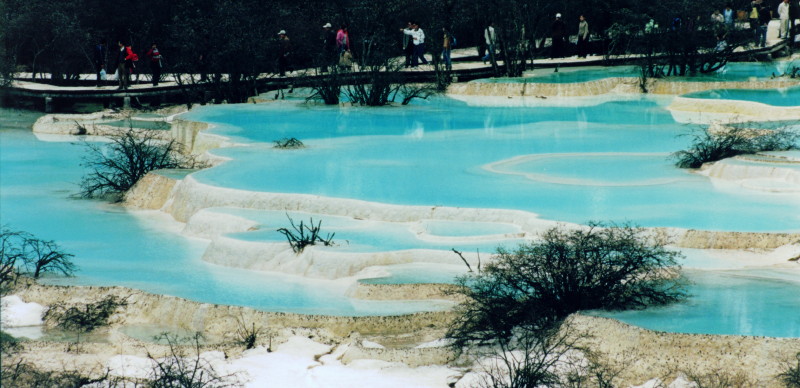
(735, 71)
(437, 153)
(728, 302)
(145, 250)
(607, 161)
(350, 235)
(775, 97)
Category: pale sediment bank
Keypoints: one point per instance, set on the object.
(414, 291)
(646, 353)
(706, 111)
(651, 353)
(604, 86)
(189, 198)
(221, 321)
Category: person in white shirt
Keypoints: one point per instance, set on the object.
(418, 39)
(490, 37)
(783, 15)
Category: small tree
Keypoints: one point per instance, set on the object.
(46, 256)
(115, 167)
(539, 284)
(22, 252)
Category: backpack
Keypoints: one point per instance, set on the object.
(452, 41)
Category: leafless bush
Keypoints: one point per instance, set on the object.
(87, 317)
(790, 377)
(116, 166)
(304, 235)
(176, 369)
(24, 253)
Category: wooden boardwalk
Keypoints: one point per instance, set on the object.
(466, 67)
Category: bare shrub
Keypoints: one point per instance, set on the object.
(177, 369)
(710, 146)
(304, 235)
(87, 317)
(721, 379)
(289, 143)
(538, 284)
(24, 253)
(790, 377)
(116, 166)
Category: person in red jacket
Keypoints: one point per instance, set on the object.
(155, 63)
(126, 60)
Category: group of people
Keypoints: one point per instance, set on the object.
(125, 63)
(759, 15)
(559, 37)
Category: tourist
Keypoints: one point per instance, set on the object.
(328, 46)
(764, 16)
(418, 40)
(753, 18)
(717, 18)
(408, 45)
(558, 31)
(343, 40)
(490, 36)
(284, 52)
(583, 37)
(783, 16)
(155, 63)
(100, 61)
(447, 46)
(727, 16)
(202, 67)
(126, 64)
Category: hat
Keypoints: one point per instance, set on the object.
(282, 32)
(327, 25)
(558, 15)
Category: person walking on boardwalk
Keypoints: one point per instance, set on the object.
(329, 47)
(100, 54)
(728, 16)
(125, 64)
(418, 39)
(155, 63)
(583, 37)
(783, 16)
(408, 45)
(284, 52)
(764, 16)
(490, 38)
(342, 40)
(447, 46)
(558, 30)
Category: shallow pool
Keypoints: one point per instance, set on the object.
(734, 71)
(728, 302)
(776, 97)
(608, 161)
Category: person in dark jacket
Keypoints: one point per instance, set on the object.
(126, 60)
(100, 54)
(155, 63)
(329, 47)
(558, 33)
(284, 51)
(764, 16)
(122, 69)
